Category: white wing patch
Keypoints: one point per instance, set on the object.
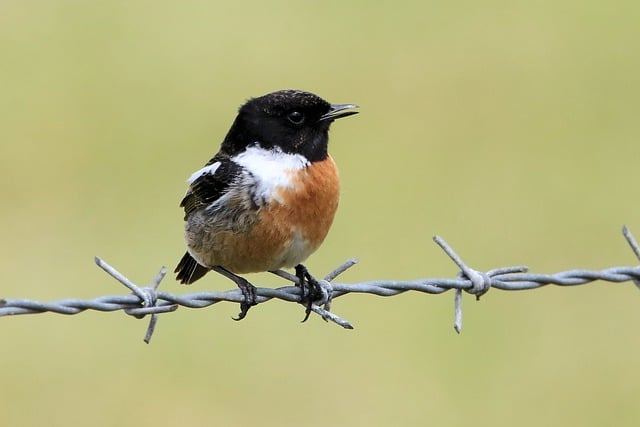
(269, 169)
(211, 169)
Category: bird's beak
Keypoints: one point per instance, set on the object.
(338, 110)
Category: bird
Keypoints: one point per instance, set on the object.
(267, 199)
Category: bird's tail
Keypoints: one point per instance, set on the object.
(189, 270)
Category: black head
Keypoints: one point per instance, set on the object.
(292, 120)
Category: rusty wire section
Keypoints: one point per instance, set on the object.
(148, 300)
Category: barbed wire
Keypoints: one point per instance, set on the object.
(148, 300)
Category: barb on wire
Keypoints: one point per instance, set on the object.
(148, 300)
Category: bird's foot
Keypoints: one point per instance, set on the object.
(310, 288)
(247, 289)
(249, 294)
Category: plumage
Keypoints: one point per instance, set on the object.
(209, 187)
(267, 199)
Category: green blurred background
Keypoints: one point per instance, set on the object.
(509, 128)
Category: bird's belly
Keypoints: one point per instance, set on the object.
(254, 251)
(279, 234)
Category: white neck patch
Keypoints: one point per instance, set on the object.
(269, 168)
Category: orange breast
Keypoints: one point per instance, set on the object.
(287, 230)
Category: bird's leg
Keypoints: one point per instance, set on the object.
(247, 289)
(309, 288)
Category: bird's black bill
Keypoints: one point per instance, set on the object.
(339, 110)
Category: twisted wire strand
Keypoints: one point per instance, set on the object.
(149, 300)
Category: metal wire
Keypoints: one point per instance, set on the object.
(148, 300)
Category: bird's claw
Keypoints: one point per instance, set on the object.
(310, 289)
(249, 294)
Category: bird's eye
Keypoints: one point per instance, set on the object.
(295, 117)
